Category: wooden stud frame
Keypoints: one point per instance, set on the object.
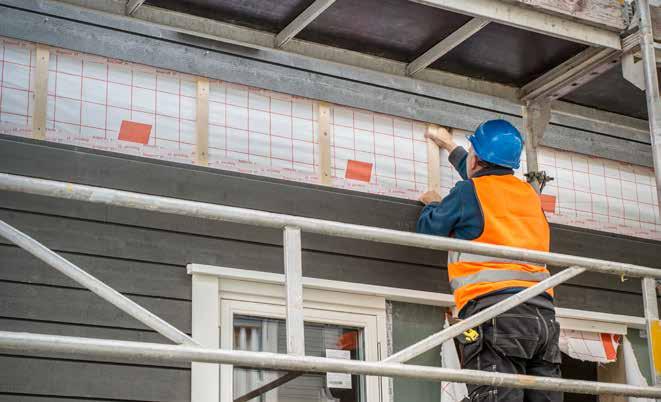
(202, 123)
(324, 143)
(433, 162)
(40, 94)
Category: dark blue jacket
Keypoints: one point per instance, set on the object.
(459, 214)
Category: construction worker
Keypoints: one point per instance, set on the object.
(491, 205)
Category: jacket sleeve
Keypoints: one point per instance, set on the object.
(441, 218)
(458, 159)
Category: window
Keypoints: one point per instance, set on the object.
(268, 335)
(246, 311)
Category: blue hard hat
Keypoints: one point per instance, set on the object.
(498, 142)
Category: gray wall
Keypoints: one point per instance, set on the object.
(143, 255)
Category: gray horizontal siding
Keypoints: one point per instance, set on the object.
(38, 376)
(35, 398)
(144, 254)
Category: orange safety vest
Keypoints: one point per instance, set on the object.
(513, 217)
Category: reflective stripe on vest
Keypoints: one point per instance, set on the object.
(455, 257)
(497, 275)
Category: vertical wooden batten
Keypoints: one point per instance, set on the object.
(40, 93)
(324, 143)
(202, 123)
(433, 162)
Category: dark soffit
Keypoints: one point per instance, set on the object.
(263, 15)
(507, 55)
(394, 29)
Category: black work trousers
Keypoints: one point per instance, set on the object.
(524, 340)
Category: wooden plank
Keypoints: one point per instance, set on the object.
(324, 143)
(202, 123)
(433, 162)
(64, 305)
(76, 379)
(606, 13)
(40, 93)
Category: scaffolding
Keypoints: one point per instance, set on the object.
(295, 362)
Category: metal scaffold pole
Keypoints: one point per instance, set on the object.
(295, 362)
(647, 48)
(651, 88)
(155, 352)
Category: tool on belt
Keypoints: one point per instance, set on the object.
(468, 336)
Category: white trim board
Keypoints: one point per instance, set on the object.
(571, 318)
(394, 294)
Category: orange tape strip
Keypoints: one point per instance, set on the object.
(607, 341)
(358, 170)
(134, 132)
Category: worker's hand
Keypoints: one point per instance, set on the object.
(429, 197)
(442, 137)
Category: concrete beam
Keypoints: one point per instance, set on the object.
(301, 21)
(441, 48)
(530, 19)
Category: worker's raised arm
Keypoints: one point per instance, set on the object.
(458, 158)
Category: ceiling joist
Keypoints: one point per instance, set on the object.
(301, 21)
(133, 5)
(450, 42)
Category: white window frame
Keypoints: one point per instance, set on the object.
(230, 308)
(221, 292)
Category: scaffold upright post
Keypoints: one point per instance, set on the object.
(648, 53)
